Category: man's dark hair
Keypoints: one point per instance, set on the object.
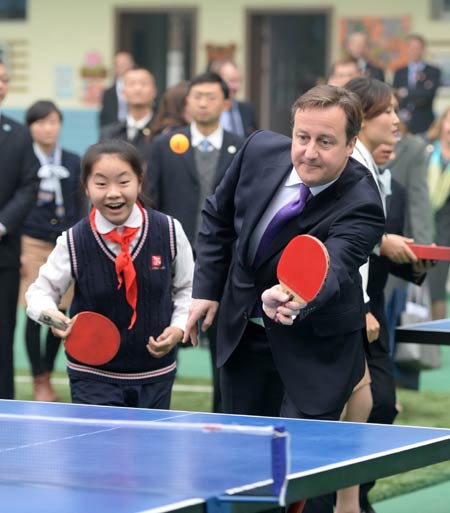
(210, 78)
(325, 96)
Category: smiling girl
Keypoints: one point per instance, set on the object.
(131, 264)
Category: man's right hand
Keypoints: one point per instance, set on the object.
(279, 306)
(199, 308)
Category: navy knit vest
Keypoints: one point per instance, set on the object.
(93, 268)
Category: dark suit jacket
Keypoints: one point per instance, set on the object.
(380, 267)
(18, 168)
(320, 358)
(418, 102)
(173, 179)
(118, 130)
(110, 106)
(39, 225)
(248, 116)
(373, 71)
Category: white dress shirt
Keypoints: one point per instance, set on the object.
(55, 275)
(134, 126)
(215, 138)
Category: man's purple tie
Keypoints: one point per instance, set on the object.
(290, 210)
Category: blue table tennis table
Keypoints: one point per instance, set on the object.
(432, 332)
(64, 458)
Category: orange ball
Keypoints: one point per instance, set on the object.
(179, 143)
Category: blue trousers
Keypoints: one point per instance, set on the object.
(151, 395)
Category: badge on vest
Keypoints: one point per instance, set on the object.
(156, 262)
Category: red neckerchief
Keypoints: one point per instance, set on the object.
(124, 262)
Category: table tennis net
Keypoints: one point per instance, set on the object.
(143, 456)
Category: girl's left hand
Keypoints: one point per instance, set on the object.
(165, 342)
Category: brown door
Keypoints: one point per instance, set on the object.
(161, 40)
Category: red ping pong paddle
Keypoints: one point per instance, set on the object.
(430, 252)
(94, 339)
(303, 267)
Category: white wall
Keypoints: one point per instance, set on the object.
(61, 32)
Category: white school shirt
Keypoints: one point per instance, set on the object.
(55, 275)
(134, 126)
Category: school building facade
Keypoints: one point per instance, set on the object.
(64, 50)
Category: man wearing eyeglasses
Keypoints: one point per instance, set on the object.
(182, 176)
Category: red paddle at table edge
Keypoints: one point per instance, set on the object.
(303, 267)
(93, 340)
(430, 252)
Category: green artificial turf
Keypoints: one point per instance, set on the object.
(431, 409)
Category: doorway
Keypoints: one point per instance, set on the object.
(162, 40)
(287, 53)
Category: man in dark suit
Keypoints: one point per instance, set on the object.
(240, 118)
(18, 168)
(416, 86)
(139, 90)
(297, 360)
(357, 46)
(114, 105)
(181, 180)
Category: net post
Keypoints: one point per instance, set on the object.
(217, 505)
(280, 462)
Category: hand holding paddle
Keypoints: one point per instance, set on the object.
(303, 268)
(278, 305)
(60, 324)
(301, 271)
(397, 248)
(90, 337)
(431, 252)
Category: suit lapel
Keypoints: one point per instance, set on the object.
(5, 130)
(225, 157)
(188, 156)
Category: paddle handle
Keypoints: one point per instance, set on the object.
(50, 320)
(292, 294)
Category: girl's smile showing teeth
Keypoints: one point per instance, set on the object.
(113, 188)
